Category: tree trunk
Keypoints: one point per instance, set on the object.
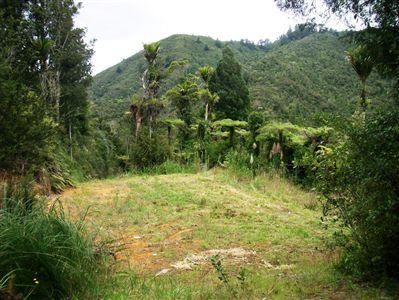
(70, 138)
(232, 131)
(169, 135)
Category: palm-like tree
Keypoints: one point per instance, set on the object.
(151, 52)
(149, 106)
(182, 97)
(363, 64)
(206, 72)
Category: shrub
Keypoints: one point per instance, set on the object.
(42, 254)
(295, 148)
(216, 152)
(148, 152)
(239, 161)
(360, 180)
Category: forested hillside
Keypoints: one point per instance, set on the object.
(239, 170)
(289, 79)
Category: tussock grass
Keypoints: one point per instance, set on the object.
(43, 255)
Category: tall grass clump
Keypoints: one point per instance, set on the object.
(43, 255)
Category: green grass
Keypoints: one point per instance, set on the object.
(43, 255)
(155, 221)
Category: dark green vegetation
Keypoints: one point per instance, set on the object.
(359, 176)
(362, 190)
(316, 106)
(44, 110)
(228, 83)
(47, 141)
(294, 81)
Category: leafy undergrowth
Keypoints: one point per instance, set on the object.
(211, 235)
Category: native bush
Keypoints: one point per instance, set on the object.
(216, 151)
(360, 179)
(147, 152)
(296, 149)
(239, 160)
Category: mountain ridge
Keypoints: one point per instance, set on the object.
(293, 81)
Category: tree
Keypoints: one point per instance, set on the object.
(49, 64)
(231, 125)
(50, 54)
(182, 97)
(255, 121)
(146, 107)
(206, 72)
(228, 84)
(363, 64)
(360, 181)
(26, 132)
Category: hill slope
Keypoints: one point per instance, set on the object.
(291, 81)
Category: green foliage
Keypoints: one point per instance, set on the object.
(217, 264)
(26, 134)
(238, 161)
(92, 155)
(361, 62)
(359, 179)
(44, 255)
(151, 51)
(228, 83)
(147, 152)
(301, 31)
(44, 74)
(297, 149)
(233, 127)
(229, 123)
(255, 121)
(292, 82)
(216, 152)
(183, 96)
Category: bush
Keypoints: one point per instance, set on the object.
(42, 254)
(239, 161)
(148, 152)
(216, 152)
(360, 181)
(297, 149)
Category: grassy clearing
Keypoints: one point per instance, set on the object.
(154, 222)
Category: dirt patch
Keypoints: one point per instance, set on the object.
(232, 256)
(138, 252)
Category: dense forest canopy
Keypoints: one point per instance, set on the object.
(295, 78)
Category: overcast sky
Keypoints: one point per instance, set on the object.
(120, 27)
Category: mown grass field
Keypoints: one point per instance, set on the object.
(164, 229)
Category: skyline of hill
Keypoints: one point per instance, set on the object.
(291, 81)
